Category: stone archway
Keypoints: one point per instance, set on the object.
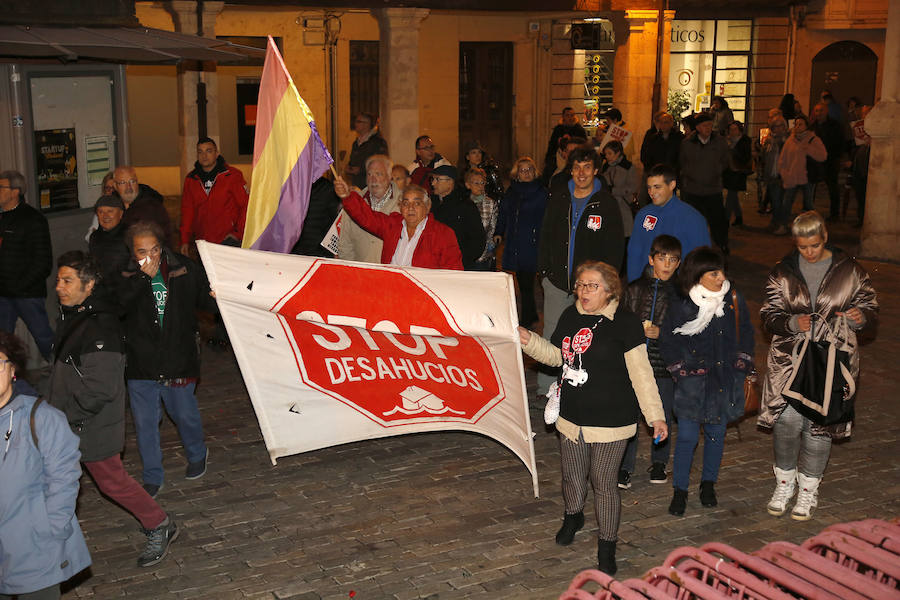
(847, 68)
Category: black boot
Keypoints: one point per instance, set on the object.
(571, 524)
(606, 556)
(708, 493)
(679, 503)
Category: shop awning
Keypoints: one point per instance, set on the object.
(116, 44)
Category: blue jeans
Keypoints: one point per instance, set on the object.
(688, 437)
(181, 404)
(33, 312)
(659, 453)
(784, 218)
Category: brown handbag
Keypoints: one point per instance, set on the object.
(751, 385)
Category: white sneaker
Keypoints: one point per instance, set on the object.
(785, 485)
(807, 497)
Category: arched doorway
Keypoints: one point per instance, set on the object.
(846, 68)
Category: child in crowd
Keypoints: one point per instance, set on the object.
(648, 297)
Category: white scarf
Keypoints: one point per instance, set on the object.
(710, 304)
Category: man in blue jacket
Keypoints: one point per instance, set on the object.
(665, 215)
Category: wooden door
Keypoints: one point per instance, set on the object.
(846, 68)
(486, 98)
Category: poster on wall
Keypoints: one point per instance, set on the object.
(57, 168)
(98, 158)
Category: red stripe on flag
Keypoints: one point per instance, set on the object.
(272, 87)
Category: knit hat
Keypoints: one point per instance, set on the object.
(113, 201)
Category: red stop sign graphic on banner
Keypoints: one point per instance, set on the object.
(381, 342)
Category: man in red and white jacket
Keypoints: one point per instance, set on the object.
(214, 200)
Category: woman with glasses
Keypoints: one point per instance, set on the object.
(709, 356)
(606, 381)
(519, 226)
(41, 544)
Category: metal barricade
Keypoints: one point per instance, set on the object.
(848, 561)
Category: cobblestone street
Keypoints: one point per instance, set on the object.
(452, 515)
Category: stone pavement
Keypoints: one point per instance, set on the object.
(452, 515)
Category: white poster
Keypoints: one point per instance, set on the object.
(335, 352)
(333, 237)
(620, 134)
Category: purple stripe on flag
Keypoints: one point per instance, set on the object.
(283, 230)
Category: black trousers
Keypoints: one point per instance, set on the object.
(712, 208)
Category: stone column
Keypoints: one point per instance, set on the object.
(398, 58)
(184, 15)
(635, 69)
(881, 229)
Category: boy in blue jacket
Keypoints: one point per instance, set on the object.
(648, 297)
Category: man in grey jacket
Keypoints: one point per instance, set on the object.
(703, 158)
(87, 383)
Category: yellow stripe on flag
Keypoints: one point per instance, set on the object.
(288, 137)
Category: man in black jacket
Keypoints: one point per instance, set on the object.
(582, 222)
(455, 210)
(661, 144)
(832, 135)
(87, 383)
(568, 125)
(159, 293)
(142, 202)
(107, 243)
(26, 259)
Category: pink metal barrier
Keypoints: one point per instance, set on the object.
(848, 561)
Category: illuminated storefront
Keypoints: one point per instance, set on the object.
(710, 58)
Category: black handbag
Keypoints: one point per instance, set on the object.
(821, 386)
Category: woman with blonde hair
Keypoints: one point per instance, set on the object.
(816, 284)
(605, 382)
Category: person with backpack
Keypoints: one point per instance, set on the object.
(41, 544)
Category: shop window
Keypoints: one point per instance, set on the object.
(710, 58)
(582, 69)
(363, 78)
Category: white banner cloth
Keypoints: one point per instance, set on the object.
(335, 352)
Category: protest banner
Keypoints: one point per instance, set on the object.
(620, 134)
(335, 352)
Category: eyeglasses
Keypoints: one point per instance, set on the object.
(4, 362)
(123, 182)
(431, 147)
(589, 286)
(441, 178)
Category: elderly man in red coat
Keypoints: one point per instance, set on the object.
(411, 237)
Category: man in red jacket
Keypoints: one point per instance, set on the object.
(412, 237)
(214, 200)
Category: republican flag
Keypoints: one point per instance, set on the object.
(288, 156)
